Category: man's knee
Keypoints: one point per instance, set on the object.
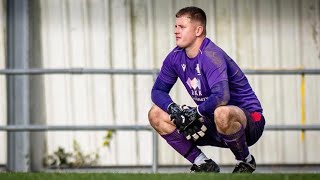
(160, 120)
(229, 119)
(222, 117)
(154, 115)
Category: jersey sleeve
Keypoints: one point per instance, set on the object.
(216, 69)
(160, 94)
(220, 95)
(167, 73)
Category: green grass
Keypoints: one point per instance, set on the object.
(184, 176)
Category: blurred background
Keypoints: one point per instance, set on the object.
(138, 34)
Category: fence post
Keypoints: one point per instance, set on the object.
(18, 47)
(155, 151)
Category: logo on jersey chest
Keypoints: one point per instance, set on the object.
(198, 69)
(195, 86)
(183, 67)
(194, 83)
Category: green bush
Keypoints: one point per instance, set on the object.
(76, 158)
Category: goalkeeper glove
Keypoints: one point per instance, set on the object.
(195, 129)
(176, 116)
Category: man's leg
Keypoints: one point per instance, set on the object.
(231, 122)
(160, 121)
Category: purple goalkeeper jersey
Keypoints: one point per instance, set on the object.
(200, 74)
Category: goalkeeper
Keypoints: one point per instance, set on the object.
(228, 113)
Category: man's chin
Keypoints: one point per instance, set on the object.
(180, 45)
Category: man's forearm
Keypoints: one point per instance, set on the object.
(220, 95)
(160, 94)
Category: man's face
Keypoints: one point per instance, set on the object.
(185, 32)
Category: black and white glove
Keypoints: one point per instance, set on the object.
(195, 129)
(176, 116)
(187, 120)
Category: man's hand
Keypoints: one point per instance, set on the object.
(176, 116)
(191, 113)
(187, 120)
(195, 129)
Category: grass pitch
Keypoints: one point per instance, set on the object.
(180, 176)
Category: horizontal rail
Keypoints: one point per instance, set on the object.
(36, 71)
(78, 71)
(282, 71)
(133, 127)
(75, 128)
(292, 128)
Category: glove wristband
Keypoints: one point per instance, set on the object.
(169, 106)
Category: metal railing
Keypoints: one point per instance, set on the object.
(19, 128)
(153, 72)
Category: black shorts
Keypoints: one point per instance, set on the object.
(253, 130)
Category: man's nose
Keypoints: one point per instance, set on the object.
(176, 31)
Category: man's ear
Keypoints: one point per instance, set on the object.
(199, 31)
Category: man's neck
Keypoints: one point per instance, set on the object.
(193, 50)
